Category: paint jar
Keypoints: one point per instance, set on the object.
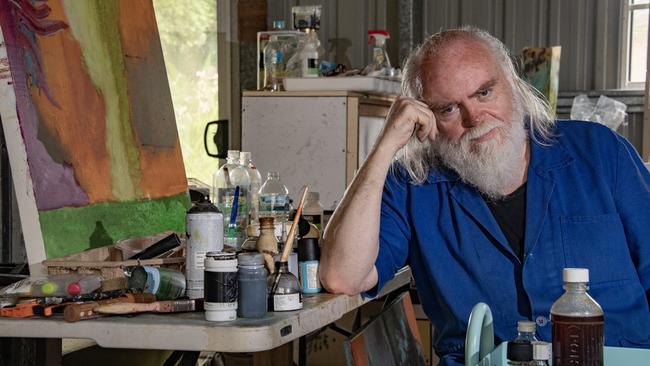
(165, 283)
(220, 286)
(204, 234)
(308, 260)
(284, 289)
(251, 278)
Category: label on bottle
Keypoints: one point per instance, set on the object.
(309, 276)
(199, 260)
(313, 219)
(286, 302)
(277, 203)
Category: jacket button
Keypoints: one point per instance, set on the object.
(541, 321)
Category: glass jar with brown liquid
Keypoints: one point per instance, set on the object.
(578, 323)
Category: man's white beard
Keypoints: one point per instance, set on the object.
(491, 166)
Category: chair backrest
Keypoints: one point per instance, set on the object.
(391, 338)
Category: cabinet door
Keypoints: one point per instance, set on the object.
(302, 138)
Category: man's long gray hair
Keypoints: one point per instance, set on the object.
(418, 158)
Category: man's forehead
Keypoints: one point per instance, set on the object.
(459, 67)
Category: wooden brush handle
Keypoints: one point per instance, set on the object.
(294, 227)
(127, 308)
(83, 311)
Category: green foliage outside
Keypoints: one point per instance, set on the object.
(188, 34)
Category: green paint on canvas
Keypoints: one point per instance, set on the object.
(74, 229)
(94, 25)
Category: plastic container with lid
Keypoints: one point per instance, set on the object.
(251, 279)
(220, 286)
(578, 323)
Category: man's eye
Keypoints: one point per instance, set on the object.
(448, 109)
(484, 92)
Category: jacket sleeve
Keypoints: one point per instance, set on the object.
(394, 230)
(632, 194)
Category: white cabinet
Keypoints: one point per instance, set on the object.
(317, 139)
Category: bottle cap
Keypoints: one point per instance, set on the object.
(49, 288)
(575, 275)
(520, 350)
(526, 326)
(541, 351)
(244, 156)
(233, 154)
(203, 206)
(74, 288)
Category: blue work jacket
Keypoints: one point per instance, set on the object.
(587, 205)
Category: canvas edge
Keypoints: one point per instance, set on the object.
(22, 180)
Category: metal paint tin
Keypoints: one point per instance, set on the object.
(205, 234)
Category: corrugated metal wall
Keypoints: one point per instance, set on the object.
(587, 30)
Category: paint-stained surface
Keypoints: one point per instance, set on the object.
(96, 119)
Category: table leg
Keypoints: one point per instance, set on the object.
(30, 351)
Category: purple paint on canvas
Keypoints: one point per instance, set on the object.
(54, 184)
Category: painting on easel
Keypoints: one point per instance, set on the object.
(89, 124)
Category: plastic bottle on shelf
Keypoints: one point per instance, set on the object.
(256, 183)
(578, 323)
(380, 65)
(313, 210)
(229, 181)
(309, 55)
(273, 65)
(526, 330)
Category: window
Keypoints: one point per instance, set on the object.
(188, 34)
(636, 41)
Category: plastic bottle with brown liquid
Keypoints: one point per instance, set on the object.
(578, 323)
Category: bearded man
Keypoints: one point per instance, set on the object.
(475, 186)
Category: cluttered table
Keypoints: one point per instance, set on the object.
(191, 332)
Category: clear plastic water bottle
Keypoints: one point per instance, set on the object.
(274, 198)
(526, 330)
(256, 183)
(273, 65)
(578, 323)
(229, 181)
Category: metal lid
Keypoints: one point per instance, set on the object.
(250, 259)
(221, 256)
(203, 206)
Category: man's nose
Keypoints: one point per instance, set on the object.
(471, 115)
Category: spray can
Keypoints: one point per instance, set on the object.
(308, 260)
(205, 234)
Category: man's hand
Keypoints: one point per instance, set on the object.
(407, 116)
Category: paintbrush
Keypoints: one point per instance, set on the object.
(290, 237)
(173, 306)
(86, 310)
(232, 224)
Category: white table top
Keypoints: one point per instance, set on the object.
(190, 332)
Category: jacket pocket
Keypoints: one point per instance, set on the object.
(599, 244)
